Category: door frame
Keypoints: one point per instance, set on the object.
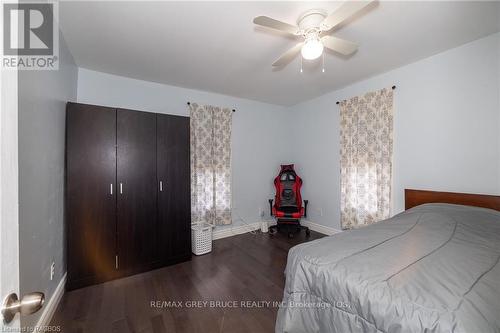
(9, 189)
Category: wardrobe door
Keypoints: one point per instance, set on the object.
(137, 194)
(174, 196)
(90, 194)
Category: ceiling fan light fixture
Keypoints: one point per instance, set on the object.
(312, 49)
(313, 24)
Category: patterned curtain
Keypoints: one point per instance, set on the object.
(210, 164)
(366, 158)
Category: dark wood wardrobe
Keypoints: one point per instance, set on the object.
(127, 192)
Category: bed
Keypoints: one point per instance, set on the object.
(433, 268)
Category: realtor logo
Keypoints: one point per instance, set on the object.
(30, 36)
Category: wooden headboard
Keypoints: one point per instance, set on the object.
(418, 197)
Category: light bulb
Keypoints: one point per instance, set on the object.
(312, 49)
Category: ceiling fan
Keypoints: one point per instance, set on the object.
(313, 26)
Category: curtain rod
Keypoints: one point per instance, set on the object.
(189, 103)
(393, 87)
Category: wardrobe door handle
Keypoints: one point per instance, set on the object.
(121, 188)
(161, 186)
(111, 189)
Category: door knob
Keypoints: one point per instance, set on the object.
(28, 304)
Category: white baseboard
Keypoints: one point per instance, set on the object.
(50, 307)
(237, 230)
(241, 229)
(320, 228)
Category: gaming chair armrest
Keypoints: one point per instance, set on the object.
(271, 207)
(305, 207)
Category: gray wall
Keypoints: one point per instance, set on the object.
(42, 102)
(259, 137)
(446, 129)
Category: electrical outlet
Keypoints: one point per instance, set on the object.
(52, 270)
(321, 212)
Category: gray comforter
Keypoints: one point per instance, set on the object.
(433, 268)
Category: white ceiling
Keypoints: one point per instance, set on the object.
(214, 46)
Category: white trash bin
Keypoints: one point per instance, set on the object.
(201, 238)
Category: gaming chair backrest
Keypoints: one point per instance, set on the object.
(288, 185)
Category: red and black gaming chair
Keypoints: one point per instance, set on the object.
(287, 207)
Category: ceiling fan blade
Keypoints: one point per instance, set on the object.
(339, 45)
(288, 55)
(275, 24)
(345, 11)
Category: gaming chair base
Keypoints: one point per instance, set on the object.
(292, 227)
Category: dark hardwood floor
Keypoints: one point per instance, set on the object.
(241, 268)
